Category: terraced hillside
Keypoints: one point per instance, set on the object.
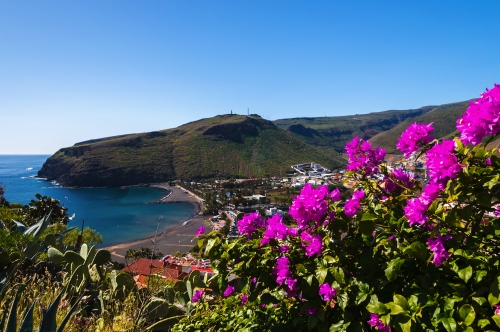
(226, 145)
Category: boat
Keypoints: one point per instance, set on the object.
(29, 168)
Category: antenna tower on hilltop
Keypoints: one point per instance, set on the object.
(248, 112)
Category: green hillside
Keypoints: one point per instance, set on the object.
(332, 133)
(227, 145)
(444, 119)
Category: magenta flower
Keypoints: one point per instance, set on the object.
(436, 245)
(200, 231)
(415, 211)
(284, 276)
(244, 300)
(335, 195)
(276, 229)
(310, 205)
(496, 213)
(442, 164)
(414, 137)
(292, 231)
(353, 205)
(229, 290)
(312, 244)
(481, 118)
(362, 157)
(379, 325)
(250, 223)
(497, 309)
(198, 295)
(488, 161)
(430, 193)
(284, 249)
(402, 177)
(311, 311)
(327, 292)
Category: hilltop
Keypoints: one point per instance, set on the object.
(225, 145)
(235, 145)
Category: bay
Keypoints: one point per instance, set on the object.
(118, 214)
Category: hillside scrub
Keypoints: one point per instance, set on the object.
(399, 255)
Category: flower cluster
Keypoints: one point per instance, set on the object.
(379, 325)
(229, 290)
(436, 245)
(198, 294)
(416, 208)
(284, 276)
(442, 164)
(481, 118)
(414, 137)
(312, 244)
(310, 205)
(200, 231)
(353, 205)
(403, 178)
(276, 229)
(250, 223)
(362, 157)
(327, 292)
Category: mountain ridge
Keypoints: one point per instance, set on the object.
(233, 145)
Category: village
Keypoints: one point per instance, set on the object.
(225, 201)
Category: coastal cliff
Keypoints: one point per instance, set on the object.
(226, 145)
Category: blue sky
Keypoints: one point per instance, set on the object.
(77, 70)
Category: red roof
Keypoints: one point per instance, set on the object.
(148, 267)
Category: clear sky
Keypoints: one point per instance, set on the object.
(77, 70)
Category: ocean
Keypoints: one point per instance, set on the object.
(118, 214)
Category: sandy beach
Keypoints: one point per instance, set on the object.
(178, 238)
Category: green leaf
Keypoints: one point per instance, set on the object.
(369, 215)
(312, 321)
(210, 244)
(27, 323)
(367, 227)
(449, 324)
(494, 295)
(321, 275)
(12, 319)
(467, 314)
(377, 308)
(392, 270)
(404, 322)
(400, 300)
(482, 323)
(465, 274)
(394, 308)
(496, 318)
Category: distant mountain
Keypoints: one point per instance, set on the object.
(235, 145)
(383, 129)
(226, 145)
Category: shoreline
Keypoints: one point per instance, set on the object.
(177, 238)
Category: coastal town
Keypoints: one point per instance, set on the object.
(220, 203)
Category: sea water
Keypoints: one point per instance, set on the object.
(118, 214)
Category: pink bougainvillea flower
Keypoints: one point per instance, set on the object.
(250, 223)
(335, 195)
(327, 292)
(442, 164)
(497, 309)
(378, 324)
(400, 177)
(362, 157)
(481, 118)
(244, 300)
(415, 136)
(497, 211)
(415, 211)
(312, 244)
(284, 276)
(198, 294)
(229, 290)
(284, 249)
(200, 231)
(436, 245)
(311, 311)
(353, 205)
(310, 205)
(488, 161)
(276, 229)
